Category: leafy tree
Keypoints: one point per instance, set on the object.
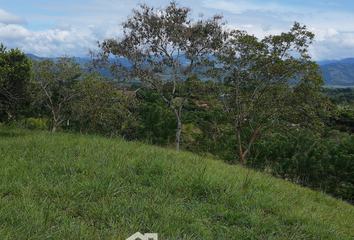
(102, 109)
(154, 42)
(268, 83)
(156, 121)
(57, 84)
(15, 73)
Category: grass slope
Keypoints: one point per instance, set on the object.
(68, 186)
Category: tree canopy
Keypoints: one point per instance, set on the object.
(57, 82)
(267, 82)
(15, 73)
(154, 41)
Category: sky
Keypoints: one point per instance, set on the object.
(54, 28)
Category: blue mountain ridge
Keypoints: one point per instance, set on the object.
(335, 72)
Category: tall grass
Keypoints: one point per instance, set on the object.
(70, 186)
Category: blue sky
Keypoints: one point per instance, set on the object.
(51, 28)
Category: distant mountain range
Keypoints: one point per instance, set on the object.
(345, 60)
(338, 72)
(81, 61)
(335, 72)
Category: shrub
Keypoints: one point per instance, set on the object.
(37, 123)
(321, 164)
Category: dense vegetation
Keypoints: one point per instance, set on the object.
(264, 108)
(15, 71)
(319, 159)
(71, 186)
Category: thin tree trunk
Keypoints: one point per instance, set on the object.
(178, 134)
(254, 136)
(241, 155)
(179, 129)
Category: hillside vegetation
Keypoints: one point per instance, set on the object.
(71, 186)
(341, 73)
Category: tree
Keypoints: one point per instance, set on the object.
(102, 109)
(15, 73)
(154, 42)
(268, 83)
(57, 83)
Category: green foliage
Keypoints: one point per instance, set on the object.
(264, 81)
(157, 124)
(214, 135)
(57, 87)
(38, 123)
(346, 117)
(189, 127)
(15, 72)
(342, 97)
(321, 164)
(102, 109)
(154, 40)
(288, 152)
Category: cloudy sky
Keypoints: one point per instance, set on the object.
(53, 28)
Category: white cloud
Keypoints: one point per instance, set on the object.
(273, 13)
(49, 43)
(12, 32)
(9, 18)
(332, 45)
(322, 34)
(270, 18)
(74, 32)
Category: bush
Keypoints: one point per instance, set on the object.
(320, 164)
(37, 123)
(101, 109)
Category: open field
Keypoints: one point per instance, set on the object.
(70, 186)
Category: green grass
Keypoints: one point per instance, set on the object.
(70, 186)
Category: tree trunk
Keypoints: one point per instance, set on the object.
(54, 128)
(178, 134)
(179, 128)
(241, 155)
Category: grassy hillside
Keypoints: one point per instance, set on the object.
(66, 186)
